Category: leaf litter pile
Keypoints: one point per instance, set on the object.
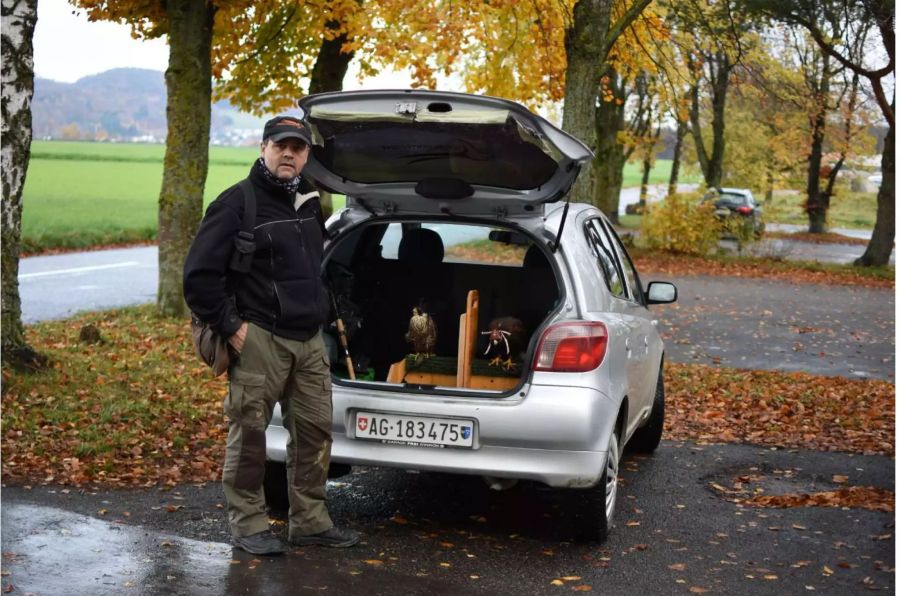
(135, 407)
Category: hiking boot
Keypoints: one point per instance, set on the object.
(261, 543)
(334, 537)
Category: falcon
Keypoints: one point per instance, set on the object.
(422, 333)
(506, 337)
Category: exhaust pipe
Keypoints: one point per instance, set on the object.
(500, 483)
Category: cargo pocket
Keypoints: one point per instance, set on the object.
(246, 407)
(245, 402)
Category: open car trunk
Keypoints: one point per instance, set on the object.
(470, 279)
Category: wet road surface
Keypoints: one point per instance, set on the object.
(760, 324)
(677, 528)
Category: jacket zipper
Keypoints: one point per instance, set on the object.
(317, 281)
(277, 311)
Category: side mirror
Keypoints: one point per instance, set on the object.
(661, 292)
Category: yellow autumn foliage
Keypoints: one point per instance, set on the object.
(680, 224)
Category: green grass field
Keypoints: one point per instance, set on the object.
(86, 194)
(855, 210)
(81, 194)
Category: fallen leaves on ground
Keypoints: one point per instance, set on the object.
(825, 238)
(792, 271)
(141, 410)
(864, 497)
(725, 405)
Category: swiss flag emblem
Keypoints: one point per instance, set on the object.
(362, 423)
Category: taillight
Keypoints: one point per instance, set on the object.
(571, 347)
(744, 210)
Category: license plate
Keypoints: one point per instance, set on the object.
(417, 431)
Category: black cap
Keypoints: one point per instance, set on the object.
(286, 127)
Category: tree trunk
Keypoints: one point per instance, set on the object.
(331, 64)
(19, 19)
(189, 91)
(609, 156)
(328, 75)
(816, 203)
(711, 161)
(878, 252)
(585, 55)
(697, 131)
(646, 165)
(676, 157)
(713, 174)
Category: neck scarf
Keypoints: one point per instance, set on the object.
(290, 186)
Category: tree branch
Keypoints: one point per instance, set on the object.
(616, 29)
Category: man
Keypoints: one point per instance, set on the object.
(272, 316)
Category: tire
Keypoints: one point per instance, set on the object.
(275, 486)
(275, 483)
(598, 508)
(646, 438)
(336, 470)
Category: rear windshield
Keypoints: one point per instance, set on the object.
(731, 199)
(501, 154)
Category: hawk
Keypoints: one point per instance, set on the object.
(506, 337)
(422, 333)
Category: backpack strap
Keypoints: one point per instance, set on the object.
(244, 246)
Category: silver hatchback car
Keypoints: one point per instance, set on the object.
(485, 324)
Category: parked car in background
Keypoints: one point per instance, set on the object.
(738, 204)
(540, 366)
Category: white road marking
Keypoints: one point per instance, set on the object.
(78, 269)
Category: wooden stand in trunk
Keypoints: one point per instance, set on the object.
(435, 370)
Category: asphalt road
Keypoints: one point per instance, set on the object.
(754, 323)
(58, 286)
(676, 532)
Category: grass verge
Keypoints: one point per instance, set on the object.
(137, 409)
(140, 410)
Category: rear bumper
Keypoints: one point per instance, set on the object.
(564, 469)
(555, 435)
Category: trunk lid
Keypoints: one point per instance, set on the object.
(430, 152)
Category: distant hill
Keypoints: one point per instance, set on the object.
(124, 104)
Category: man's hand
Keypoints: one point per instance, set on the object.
(237, 340)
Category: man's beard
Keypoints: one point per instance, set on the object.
(289, 184)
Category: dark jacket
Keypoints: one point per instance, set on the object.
(283, 292)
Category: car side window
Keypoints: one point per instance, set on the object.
(631, 275)
(606, 258)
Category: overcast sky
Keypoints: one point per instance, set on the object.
(68, 47)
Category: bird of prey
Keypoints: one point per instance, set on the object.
(422, 333)
(506, 337)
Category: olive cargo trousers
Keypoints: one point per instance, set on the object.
(296, 374)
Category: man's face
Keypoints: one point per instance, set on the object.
(285, 158)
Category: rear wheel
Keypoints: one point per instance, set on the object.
(275, 486)
(275, 483)
(600, 504)
(646, 438)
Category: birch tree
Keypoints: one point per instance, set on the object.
(19, 19)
